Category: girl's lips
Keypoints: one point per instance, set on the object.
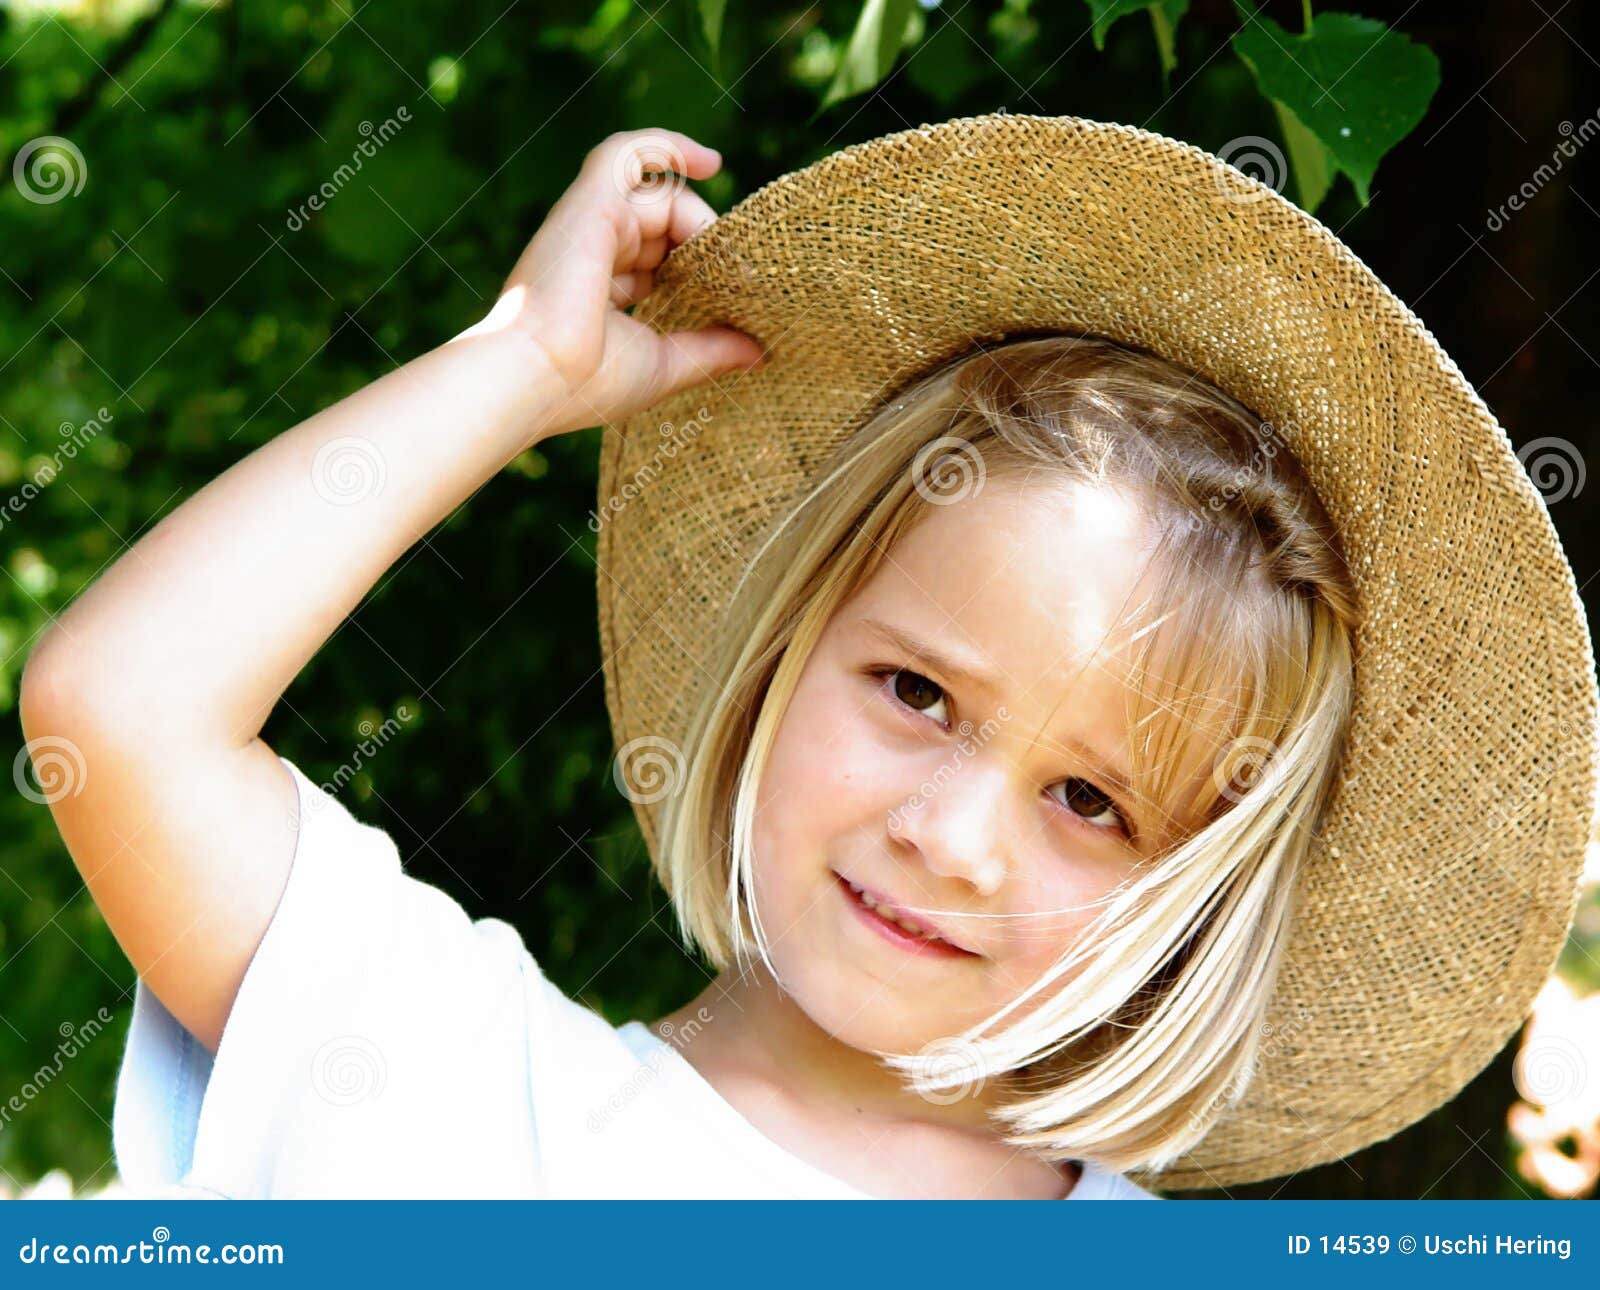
(897, 935)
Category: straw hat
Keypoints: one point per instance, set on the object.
(1439, 893)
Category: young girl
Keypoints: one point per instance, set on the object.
(955, 815)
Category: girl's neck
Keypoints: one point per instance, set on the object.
(799, 1085)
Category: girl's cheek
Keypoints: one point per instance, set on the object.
(1055, 914)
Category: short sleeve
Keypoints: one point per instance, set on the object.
(1099, 1183)
(377, 1047)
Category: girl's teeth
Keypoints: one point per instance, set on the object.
(871, 904)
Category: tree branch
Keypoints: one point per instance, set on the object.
(127, 49)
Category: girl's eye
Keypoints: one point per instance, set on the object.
(1088, 802)
(915, 690)
(1082, 798)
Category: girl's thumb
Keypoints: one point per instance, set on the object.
(698, 356)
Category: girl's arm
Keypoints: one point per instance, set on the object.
(160, 676)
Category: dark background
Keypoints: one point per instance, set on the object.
(172, 292)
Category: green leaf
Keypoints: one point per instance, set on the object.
(875, 43)
(711, 13)
(1164, 18)
(1355, 86)
(1313, 170)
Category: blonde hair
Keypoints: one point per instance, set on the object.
(1160, 1031)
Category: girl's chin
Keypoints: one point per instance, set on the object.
(882, 1026)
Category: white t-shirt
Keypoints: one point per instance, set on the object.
(385, 1045)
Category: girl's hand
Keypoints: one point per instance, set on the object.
(594, 256)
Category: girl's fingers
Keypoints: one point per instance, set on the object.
(690, 213)
(624, 156)
(642, 176)
(697, 356)
(651, 253)
(630, 288)
(617, 221)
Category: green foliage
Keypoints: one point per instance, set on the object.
(1384, 81)
(881, 31)
(1164, 19)
(191, 288)
(1346, 91)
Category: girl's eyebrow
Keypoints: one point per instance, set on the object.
(967, 668)
(973, 672)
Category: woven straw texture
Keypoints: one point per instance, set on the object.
(1446, 875)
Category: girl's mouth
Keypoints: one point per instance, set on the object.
(880, 920)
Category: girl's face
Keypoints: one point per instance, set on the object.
(951, 747)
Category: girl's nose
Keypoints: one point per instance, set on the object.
(957, 828)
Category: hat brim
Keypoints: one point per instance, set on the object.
(1441, 887)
